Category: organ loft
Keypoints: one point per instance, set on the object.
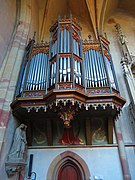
(71, 92)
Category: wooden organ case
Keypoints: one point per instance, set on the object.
(67, 92)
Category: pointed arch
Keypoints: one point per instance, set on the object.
(65, 159)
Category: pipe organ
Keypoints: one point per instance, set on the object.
(34, 70)
(65, 61)
(95, 74)
(65, 53)
(67, 79)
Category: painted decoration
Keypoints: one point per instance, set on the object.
(39, 135)
(99, 131)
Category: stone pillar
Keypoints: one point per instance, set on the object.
(126, 63)
(122, 152)
(11, 65)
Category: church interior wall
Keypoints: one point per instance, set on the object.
(13, 123)
(100, 161)
(97, 159)
(127, 23)
(130, 151)
(7, 21)
(34, 27)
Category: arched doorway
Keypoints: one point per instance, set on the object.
(69, 171)
(70, 166)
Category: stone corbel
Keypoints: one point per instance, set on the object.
(14, 167)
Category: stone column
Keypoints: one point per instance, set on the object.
(126, 63)
(122, 152)
(11, 65)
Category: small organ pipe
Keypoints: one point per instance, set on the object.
(61, 49)
(69, 70)
(68, 40)
(64, 44)
(79, 72)
(60, 70)
(77, 51)
(64, 69)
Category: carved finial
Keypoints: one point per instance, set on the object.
(70, 15)
(34, 36)
(121, 36)
(89, 36)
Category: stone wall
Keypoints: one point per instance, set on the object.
(127, 23)
(7, 25)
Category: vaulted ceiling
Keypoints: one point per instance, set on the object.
(91, 13)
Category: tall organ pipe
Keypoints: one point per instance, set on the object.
(72, 61)
(29, 60)
(101, 46)
(57, 57)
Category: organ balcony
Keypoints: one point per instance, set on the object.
(67, 77)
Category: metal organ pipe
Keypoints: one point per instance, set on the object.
(89, 74)
(60, 69)
(64, 69)
(57, 55)
(75, 72)
(92, 68)
(66, 66)
(104, 80)
(35, 73)
(77, 50)
(68, 41)
(23, 78)
(79, 72)
(95, 70)
(42, 75)
(110, 73)
(38, 71)
(99, 68)
(54, 73)
(45, 72)
(32, 73)
(64, 44)
(36, 77)
(69, 69)
(61, 42)
(29, 78)
(86, 72)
